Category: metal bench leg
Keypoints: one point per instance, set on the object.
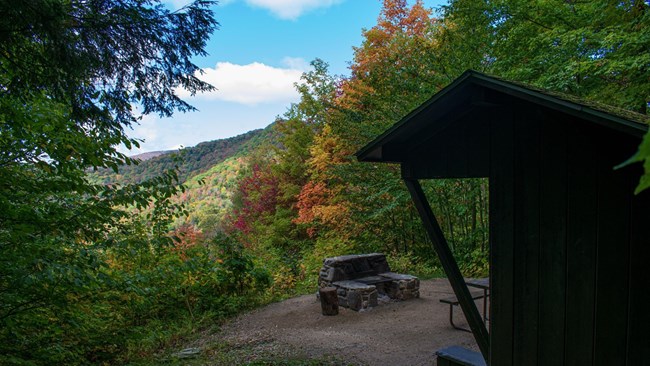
(485, 299)
(451, 319)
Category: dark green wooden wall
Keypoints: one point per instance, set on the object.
(570, 243)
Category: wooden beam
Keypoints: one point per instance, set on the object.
(450, 266)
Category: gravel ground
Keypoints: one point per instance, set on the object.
(394, 333)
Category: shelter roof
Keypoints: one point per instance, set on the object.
(468, 91)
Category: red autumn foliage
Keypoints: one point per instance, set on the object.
(256, 195)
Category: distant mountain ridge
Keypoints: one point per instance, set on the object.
(190, 161)
(209, 171)
(150, 155)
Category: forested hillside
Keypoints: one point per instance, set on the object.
(209, 190)
(187, 162)
(97, 273)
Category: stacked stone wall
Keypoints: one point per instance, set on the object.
(361, 279)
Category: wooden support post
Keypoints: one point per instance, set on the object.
(329, 300)
(450, 266)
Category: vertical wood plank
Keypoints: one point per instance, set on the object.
(430, 159)
(478, 144)
(526, 234)
(501, 183)
(638, 336)
(581, 245)
(433, 161)
(457, 149)
(552, 260)
(612, 256)
(461, 150)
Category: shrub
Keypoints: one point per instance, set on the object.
(411, 264)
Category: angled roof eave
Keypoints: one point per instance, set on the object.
(368, 152)
(372, 152)
(565, 103)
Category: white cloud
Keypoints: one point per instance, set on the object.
(253, 83)
(296, 63)
(283, 9)
(146, 129)
(291, 9)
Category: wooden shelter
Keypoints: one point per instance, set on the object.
(569, 240)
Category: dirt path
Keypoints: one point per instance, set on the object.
(396, 333)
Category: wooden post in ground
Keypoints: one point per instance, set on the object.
(329, 300)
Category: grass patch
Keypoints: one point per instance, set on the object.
(258, 352)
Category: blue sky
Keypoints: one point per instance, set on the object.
(260, 49)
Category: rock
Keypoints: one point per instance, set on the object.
(188, 353)
(355, 300)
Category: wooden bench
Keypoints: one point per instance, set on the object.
(459, 356)
(453, 301)
(360, 279)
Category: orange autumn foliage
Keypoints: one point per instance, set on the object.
(316, 206)
(186, 236)
(312, 195)
(395, 18)
(384, 50)
(328, 150)
(319, 202)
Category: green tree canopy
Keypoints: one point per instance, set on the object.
(73, 75)
(596, 50)
(72, 72)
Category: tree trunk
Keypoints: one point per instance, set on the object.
(329, 300)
